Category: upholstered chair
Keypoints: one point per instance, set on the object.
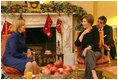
(9, 70)
(102, 62)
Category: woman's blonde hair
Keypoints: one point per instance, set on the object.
(17, 23)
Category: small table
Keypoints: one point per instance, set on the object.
(47, 58)
(110, 72)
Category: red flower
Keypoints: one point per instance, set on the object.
(13, 10)
(51, 10)
(57, 10)
(72, 10)
(21, 9)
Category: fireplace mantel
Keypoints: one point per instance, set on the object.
(34, 20)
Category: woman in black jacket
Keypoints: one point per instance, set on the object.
(89, 39)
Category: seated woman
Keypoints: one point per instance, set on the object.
(89, 39)
(15, 46)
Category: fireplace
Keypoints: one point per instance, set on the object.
(36, 38)
(36, 21)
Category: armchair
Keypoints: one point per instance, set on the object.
(102, 62)
(9, 70)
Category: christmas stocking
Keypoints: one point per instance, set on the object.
(58, 25)
(47, 26)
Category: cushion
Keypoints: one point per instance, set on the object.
(11, 70)
(102, 60)
(97, 66)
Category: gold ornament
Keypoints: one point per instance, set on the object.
(34, 6)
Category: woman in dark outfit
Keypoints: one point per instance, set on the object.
(15, 46)
(89, 39)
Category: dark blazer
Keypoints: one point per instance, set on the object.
(108, 39)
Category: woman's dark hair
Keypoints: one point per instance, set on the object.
(103, 18)
(89, 18)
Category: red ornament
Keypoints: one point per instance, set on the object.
(57, 10)
(53, 70)
(21, 9)
(51, 10)
(43, 68)
(49, 66)
(13, 10)
(66, 72)
(58, 64)
(64, 66)
(56, 73)
(69, 68)
(46, 71)
(72, 10)
(60, 70)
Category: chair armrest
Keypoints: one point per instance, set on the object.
(76, 49)
(108, 51)
(106, 47)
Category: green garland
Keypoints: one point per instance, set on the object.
(60, 7)
(56, 7)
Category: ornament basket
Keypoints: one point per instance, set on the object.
(61, 76)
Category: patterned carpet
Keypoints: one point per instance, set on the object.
(81, 73)
(99, 73)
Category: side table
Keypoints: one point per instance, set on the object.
(51, 58)
(48, 59)
(44, 59)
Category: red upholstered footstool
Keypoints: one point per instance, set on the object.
(110, 72)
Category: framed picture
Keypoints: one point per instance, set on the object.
(34, 5)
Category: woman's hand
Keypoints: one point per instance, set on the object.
(29, 54)
(84, 52)
(87, 48)
(86, 31)
(82, 35)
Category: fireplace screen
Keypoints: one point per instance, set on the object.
(38, 40)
